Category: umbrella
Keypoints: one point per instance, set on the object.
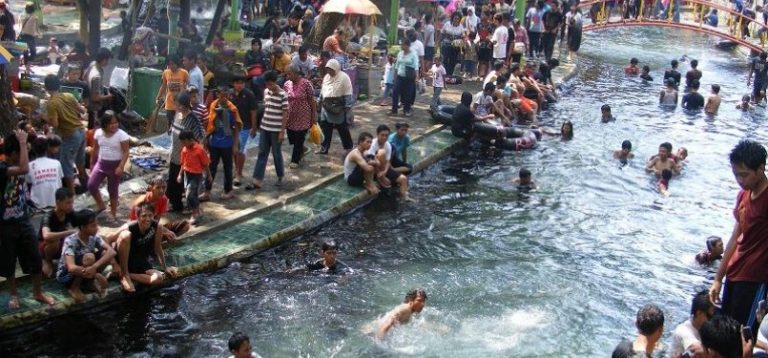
(5, 56)
(351, 7)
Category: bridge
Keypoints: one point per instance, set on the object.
(678, 14)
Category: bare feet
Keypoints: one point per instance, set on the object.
(100, 284)
(372, 188)
(13, 303)
(47, 269)
(407, 198)
(77, 295)
(127, 284)
(44, 299)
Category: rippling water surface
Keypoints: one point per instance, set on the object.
(556, 272)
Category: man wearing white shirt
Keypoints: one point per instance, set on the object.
(499, 39)
(685, 337)
(381, 149)
(44, 175)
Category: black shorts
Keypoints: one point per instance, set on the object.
(392, 175)
(357, 178)
(429, 53)
(484, 54)
(139, 265)
(397, 163)
(740, 300)
(18, 240)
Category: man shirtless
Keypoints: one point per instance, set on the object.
(662, 161)
(359, 168)
(414, 302)
(625, 153)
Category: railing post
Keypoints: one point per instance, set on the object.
(669, 11)
(602, 12)
(642, 5)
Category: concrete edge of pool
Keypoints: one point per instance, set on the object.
(66, 304)
(11, 322)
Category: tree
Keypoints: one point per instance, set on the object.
(8, 118)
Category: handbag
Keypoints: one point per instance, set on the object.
(518, 48)
(315, 134)
(334, 105)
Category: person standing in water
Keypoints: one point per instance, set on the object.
(713, 101)
(414, 302)
(668, 96)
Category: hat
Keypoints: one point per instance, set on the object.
(333, 64)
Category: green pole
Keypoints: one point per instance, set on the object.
(233, 31)
(173, 28)
(393, 14)
(520, 11)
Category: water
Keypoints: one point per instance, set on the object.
(556, 272)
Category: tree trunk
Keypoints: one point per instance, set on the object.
(215, 23)
(94, 26)
(8, 118)
(128, 35)
(82, 7)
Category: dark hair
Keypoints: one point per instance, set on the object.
(11, 145)
(695, 84)
(144, 207)
(399, 125)
(711, 241)
(363, 136)
(54, 141)
(674, 63)
(524, 173)
(173, 58)
(700, 302)
(405, 42)
(633, 61)
(270, 76)
(190, 55)
(749, 153)
(103, 54)
(497, 17)
(626, 144)
(83, 217)
(325, 55)
(666, 174)
(302, 49)
(694, 63)
(649, 319)
(52, 83)
(157, 180)
(186, 135)
(79, 47)
(427, 18)
(40, 146)
(667, 146)
(328, 245)
(412, 294)
(722, 334)
(63, 194)
(237, 340)
(646, 68)
(489, 87)
(382, 128)
(466, 98)
(716, 88)
(497, 66)
(605, 108)
(107, 117)
(182, 99)
(501, 80)
(256, 41)
(30, 8)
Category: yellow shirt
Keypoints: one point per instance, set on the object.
(63, 106)
(280, 63)
(175, 83)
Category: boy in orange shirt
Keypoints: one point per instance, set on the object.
(155, 195)
(194, 161)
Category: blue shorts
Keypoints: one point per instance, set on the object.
(72, 152)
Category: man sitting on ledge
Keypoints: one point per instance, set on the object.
(381, 149)
(359, 167)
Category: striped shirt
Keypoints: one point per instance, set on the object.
(180, 123)
(201, 111)
(275, 104)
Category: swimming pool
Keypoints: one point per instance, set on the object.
(556, 272)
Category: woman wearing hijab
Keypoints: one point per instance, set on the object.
(406, 67)
(336, 103)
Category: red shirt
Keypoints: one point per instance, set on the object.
(750, 259)
(161, 205)
(300, 96)
(195, 159)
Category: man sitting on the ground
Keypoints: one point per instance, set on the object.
(662, 161)
(385, 175)
(359, 167)
(84, 256)
(400, 141)
(650, 325)
(414, 302)
(685, 337)
(57, 225)
(135, 245)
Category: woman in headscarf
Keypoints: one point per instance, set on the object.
(336, 101)
(406, 68)
(302, 111)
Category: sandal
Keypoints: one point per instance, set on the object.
(252, 186)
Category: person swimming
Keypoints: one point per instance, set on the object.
(524, 180)
(713, 252)
(566, 130)
(625, 153)
(744, 105)
(327, 263)
(414, 302)
(606, 115)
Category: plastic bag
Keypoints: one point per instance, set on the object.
(315, 134)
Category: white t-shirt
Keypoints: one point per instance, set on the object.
(429, 35)
(418, 48)
(45, 177)
(682, 337)
(109, 147)
(375, 148)
(501, 36)
(484, 103)
(438, 76)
